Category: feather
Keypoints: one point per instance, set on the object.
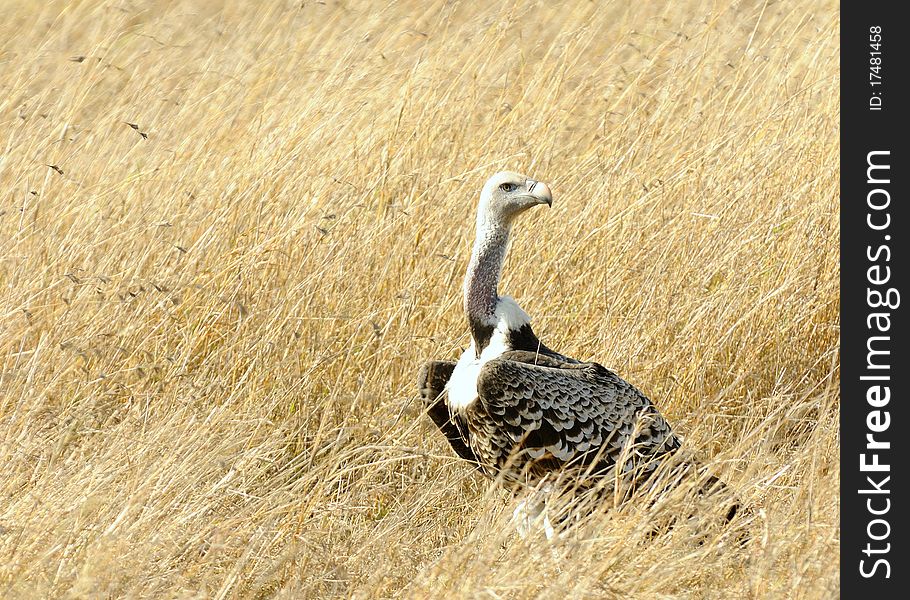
(576, 414)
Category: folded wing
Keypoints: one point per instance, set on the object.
(539, 413)
(431, 381)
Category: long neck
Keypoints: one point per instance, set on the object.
(482, 278)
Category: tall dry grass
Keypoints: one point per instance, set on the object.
(210, 335)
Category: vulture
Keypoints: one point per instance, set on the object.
(522, 413)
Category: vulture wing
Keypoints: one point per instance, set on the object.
(431, 381)
(537, 413)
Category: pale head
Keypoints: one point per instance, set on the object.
(507, 194)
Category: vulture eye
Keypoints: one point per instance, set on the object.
(508, 187)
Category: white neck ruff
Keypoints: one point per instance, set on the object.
(462, 387)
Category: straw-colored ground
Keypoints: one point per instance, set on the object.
(210, 336)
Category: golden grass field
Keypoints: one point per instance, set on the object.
(210, 326)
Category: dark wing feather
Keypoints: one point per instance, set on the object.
(537, 413)
(431, 381)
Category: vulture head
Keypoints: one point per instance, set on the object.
(508, 194)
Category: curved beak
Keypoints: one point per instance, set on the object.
(541, 192)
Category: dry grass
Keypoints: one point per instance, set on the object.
(210, 336)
